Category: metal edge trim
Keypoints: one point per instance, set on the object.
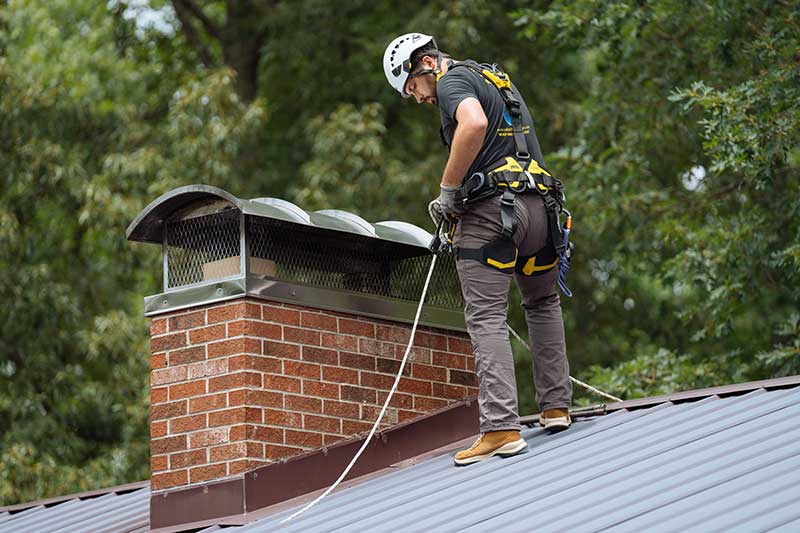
(306, 295)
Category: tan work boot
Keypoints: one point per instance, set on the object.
(502, 443)
(555, 419)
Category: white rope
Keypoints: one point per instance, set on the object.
(385, 404)
(577, 381)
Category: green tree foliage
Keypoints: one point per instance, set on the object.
(673, 123)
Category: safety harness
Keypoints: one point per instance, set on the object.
(512, 176)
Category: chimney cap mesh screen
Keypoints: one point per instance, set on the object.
(206, 247)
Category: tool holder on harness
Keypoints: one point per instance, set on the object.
(506, 179)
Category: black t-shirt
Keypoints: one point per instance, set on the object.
(460, 83)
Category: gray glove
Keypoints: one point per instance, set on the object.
(452, 201)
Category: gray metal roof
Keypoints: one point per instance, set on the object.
(112, 512)
(148, 225)
(717, 464)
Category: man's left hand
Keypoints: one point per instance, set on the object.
(452, 201)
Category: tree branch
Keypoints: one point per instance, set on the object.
(189, 30)
(190, 7)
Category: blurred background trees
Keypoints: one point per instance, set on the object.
(674, 123)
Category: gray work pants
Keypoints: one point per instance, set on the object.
(485, 292)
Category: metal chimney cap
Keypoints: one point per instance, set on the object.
(149, 224)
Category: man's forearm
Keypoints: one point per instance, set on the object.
(467, 142)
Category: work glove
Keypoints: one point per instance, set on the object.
(451, 200)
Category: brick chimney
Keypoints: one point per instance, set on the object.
(279, 333)
(245, 383)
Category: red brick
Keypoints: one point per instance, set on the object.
(254, 329)
(318, 388)
(305, 439)
(168, 410)
(159, 463)
(303, 370)
(228, 452)
(187, 355)
(244, 465)
(254, 449)
(375, 347)
(417, 354)
(454, 344)
(164, 343)
(234, 347)
(260, 433)
(158, 429)
(208, 368)
(429, 340)
(453, 392)
(207, 403)
(185, 459)
(185, 390)
(280, 315)
(393, 334)
(320, 355)
(158, 360)
(300, 335)
(376, 381)
(302, 403)
(233, 381)
(427, 405)
(208, 437)
(370, 413)
(340, 342)
(272, 451)
(328, 440)
(343, 409)
(205, 473)
(158, 395)
(391, 366)
(351, 427)
(227, 417)
(459, 377)
(207, 334)
(322, 423)
(282, 350)
(254, 362)
(158, 326)
(167, 445)
(356, 327)
(168, 480)
(403, 401)
(403, 415)
(281, 383)
(415, 386)
(431, 373)
(319, 321)
(449, 360)
(187, 321)
(358, 394)
(354, 360)
(256, 397)
(168, 375)
(184, 424)
(233, 311)
(274, 417)
(340, 375)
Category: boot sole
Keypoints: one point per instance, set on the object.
(506, 450)
(557, 424)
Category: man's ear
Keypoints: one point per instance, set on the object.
(430, 62)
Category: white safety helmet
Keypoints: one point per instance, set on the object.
(397, 58)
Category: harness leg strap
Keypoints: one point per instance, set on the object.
(507, 214)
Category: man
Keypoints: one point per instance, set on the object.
(501, 229)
